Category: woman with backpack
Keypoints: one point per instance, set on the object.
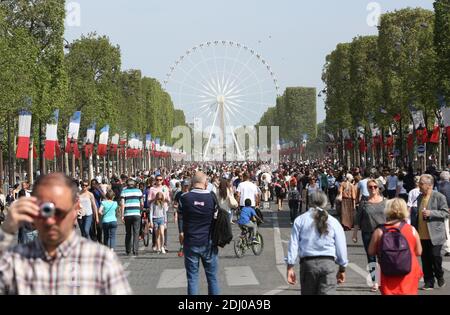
(369, 215)
(397, 245)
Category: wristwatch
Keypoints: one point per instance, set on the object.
(341, 269)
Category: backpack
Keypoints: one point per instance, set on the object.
(221, 233)
(395, 256)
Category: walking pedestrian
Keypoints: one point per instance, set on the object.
(319, 241)
(197, 208)
(348, 192)
(369, 215)
(396, 214)
(131, 207)
(158, 221)
(108, 210)
(431, 215)
(444, 188)
(88, 210)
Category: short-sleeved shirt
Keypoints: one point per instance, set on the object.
(154, 190)
(132, 198)
(247, 190)
(109, 211)
(246, 215)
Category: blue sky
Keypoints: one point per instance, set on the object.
(293, 35)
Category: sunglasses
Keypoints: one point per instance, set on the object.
(159, 179)
(373, 187)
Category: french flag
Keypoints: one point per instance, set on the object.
(24, 135)
(103, 141)
(90, 139)
(72, 137)
(51, 137)
(115, 143)
(148, 142)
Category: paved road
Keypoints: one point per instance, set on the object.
(158, 274)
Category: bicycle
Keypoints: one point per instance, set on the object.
(145, 231)
(245, 242)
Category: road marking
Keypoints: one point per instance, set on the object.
(277, 290)
(363, 273)
(279, 253)
(446, 265)
(240, 276)
(172, 278)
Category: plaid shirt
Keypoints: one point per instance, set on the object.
(81, 267)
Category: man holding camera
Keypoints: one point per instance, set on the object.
(59, 261)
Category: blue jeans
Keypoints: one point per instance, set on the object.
(109, 234)
(209, 256)
(371, 260)
(85, 225)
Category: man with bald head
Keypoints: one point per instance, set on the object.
(197, 208)
(59, 261)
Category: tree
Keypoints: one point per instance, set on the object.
(442, 46)
(407, 61)
(364, 80)
(93, 64)
(336, 75)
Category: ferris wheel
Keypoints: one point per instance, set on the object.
(223, 83)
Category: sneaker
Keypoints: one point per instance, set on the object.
(441, 283)
(255, 241)
(154, 249)
(428, 287)
(166, 249)
(163, 251)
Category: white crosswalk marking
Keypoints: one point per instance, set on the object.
(240, 276)
(172, 278)
(446, 265)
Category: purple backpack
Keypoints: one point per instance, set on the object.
(394, 254)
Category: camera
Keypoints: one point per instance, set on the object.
(47, 210)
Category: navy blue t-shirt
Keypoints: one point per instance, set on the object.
(197, 208)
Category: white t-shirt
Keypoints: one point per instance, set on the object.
(402, 189)
(412, 197)
(392, 182)
(247, 190)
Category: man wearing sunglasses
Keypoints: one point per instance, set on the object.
(59, 261)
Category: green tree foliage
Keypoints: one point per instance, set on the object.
(295, 114)
(44, 22)
(407, 61)
(442, 45)
(93, 64)
(336, 75)
(365, 80)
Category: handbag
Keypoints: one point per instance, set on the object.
(233, 202)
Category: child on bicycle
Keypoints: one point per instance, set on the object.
(248, 218)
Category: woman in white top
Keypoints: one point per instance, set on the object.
(225, 197)
(2, 203)
(401, 191)
(88, 211)
(412, 201)
(158, 220)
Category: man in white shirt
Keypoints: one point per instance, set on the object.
(247, 189)
(392, 181)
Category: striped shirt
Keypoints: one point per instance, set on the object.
(81, 267)
(132, 198)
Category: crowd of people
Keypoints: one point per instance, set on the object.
(371, 201)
